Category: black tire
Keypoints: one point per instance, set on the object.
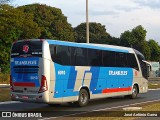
(134, 92)
(83, 98)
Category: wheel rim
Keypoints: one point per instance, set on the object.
(83, 98)
(134, 91)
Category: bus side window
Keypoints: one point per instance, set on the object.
(109, 59)
(132, 62)
(94, 57)
(79, 57)
(60, 54)
(53, 52)
(63, 55)
(121, 60)
(143, 66)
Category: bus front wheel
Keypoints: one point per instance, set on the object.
(134, 92)
(83, 98)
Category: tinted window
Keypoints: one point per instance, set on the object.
(143, 65)
(121, 60)
(60, 54)
(94, 57)
(76, 56)
(109, 59)
(27, 48)
(132, 62)
(79, 56)
(53, 52)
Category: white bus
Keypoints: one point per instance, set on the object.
(55, 72)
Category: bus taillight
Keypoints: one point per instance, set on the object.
(43, 86)
(11, 84)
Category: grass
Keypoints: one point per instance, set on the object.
(4, 78)
(108, 118)
(152, 107)
(153, 86)
(4, 94)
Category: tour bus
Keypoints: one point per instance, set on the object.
(55, 72)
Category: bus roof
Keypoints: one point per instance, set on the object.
(86, 45)
(93, 46)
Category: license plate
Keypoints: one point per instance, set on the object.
(24, 97)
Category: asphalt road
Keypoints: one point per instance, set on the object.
(94, 105)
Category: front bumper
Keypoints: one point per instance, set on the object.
(24, 97)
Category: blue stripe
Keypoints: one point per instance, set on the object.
(72, 44)
(72, 78)
(94, 80)
(102, 78)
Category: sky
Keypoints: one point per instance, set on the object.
(117, 15)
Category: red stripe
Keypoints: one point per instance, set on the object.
(116, 90)
(24, 84)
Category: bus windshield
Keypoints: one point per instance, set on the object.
(27, 49)
(143, 64)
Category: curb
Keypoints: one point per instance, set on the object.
(3, 84)
(154, 89)
(9, 102)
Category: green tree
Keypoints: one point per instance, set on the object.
(14, 25)
(155, 50)
(136, 38)
(145, 49)
(127, 39)
(114, 41)
(139, 37)
(97, 33)
(30, 22)
(52, 22)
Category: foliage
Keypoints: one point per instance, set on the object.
(4, 78)
(45, 22)
(97, 33)
(145, 49)
(30, 22)
(155, 50)
(126, 39)
(52, 22)
(136, 38)
(114, 41)
(14, 26)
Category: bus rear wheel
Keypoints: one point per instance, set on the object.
(83, 98)
(134, 92)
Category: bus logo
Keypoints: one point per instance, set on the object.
(25, 48)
